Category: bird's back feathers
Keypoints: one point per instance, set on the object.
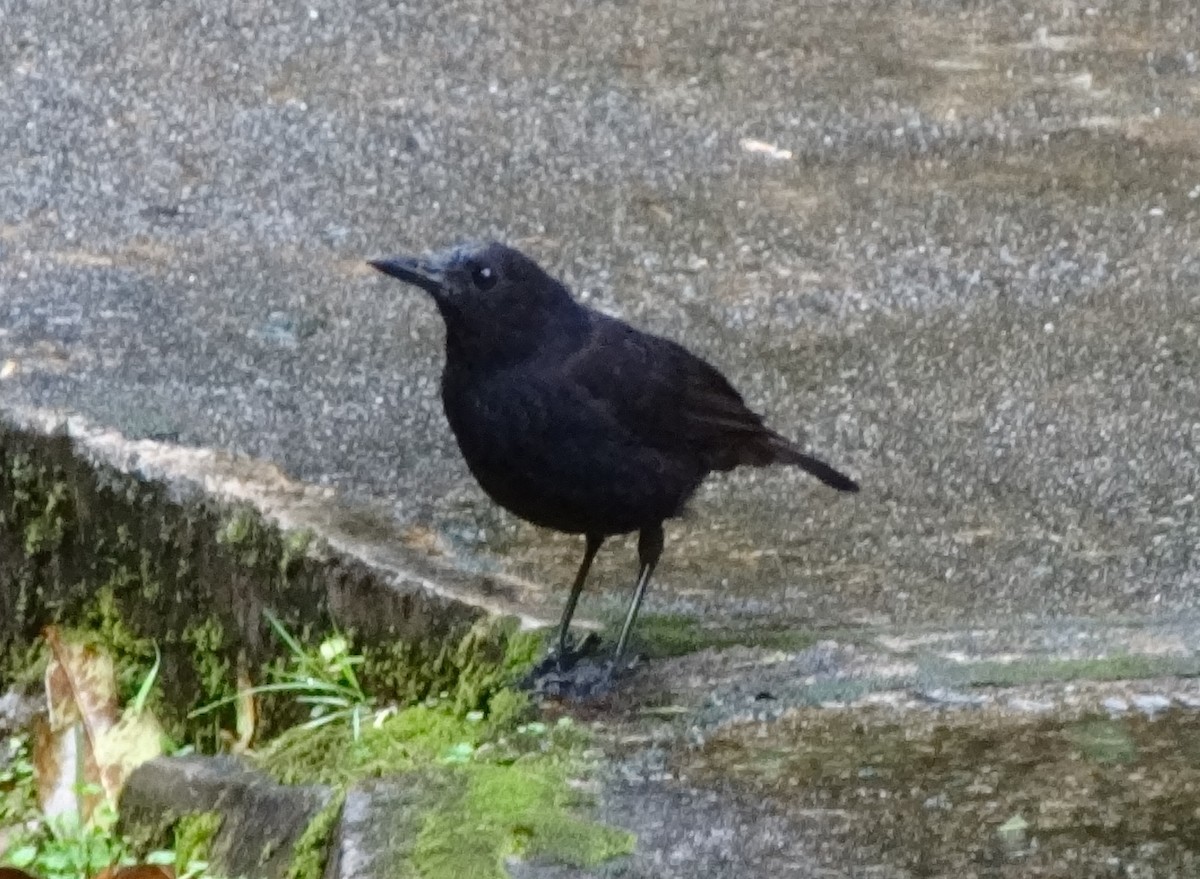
(671, 399)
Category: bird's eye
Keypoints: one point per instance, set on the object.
(483, 277)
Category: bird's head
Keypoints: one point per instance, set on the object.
(490, 295)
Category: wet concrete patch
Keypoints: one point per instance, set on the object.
(959, 794)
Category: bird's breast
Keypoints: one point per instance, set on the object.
(546, 456)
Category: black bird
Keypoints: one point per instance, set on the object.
(577, 421)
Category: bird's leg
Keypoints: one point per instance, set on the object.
(589, 553)
(650, 545)
(586, 680)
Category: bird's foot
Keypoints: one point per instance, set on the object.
(564, 661)
(586, 679)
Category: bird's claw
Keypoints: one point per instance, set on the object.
(563, 661)
(585, 678)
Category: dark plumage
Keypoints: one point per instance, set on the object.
(576, 421)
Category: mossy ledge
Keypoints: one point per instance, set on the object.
(149, 566)
(141, 563)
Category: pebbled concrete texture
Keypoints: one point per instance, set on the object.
(954, 246)
(973, 283)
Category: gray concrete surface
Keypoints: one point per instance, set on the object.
(974, 283)
(955, 246)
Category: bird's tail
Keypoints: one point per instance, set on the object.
(784, 452)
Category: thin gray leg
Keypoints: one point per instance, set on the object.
(589, 553)
(650, 545)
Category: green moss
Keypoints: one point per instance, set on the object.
(209, 659)
(493, 786)
(295, 547)
(238, 528)
(44, 532)
(1119, 667)
(330, 755)
(189, 835)
(250, 538)
(133, 655)
(23, 665)
(194, 834)
(94, 549)
(206, 640)
(312, 848)
(1103, 740)
(665, 635)
(507, 810)
(151, 585)
(119, 560)
(39, 502)
(489, 657)
(507, 709)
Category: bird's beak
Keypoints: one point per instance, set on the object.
(413, 271)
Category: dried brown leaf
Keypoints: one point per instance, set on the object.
(86, 741)
(81, 686)
(62, 765)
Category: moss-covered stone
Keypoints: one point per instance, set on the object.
(479, 705)
(488, 657)
(242, 822)
(512, 810)
(39, 507)
(312, 849)
(476, 790)
(194, 834)
(185, 581)
(140, 565)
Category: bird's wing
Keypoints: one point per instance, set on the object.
(664, 395)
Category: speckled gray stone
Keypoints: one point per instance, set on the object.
(261, 821)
